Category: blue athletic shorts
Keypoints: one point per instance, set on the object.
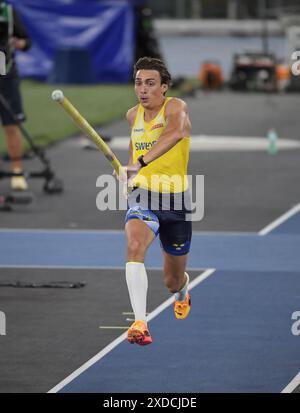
(175, 232)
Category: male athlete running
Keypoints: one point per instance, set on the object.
(159, 152)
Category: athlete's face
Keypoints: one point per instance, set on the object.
(149, 89)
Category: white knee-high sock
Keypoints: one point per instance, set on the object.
(137, 283)
(180, 295)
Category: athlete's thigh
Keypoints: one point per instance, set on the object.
(137, 231)
(175, 233)
(141, 226)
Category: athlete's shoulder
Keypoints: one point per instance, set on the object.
(131, 114)
(175, 105)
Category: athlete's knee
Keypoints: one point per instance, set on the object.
(136, 248)
(11, 130)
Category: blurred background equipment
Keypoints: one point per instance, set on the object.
(52, 184)
(48, 284)
(146, 40)
(9, 201)
(193, 31)
(283, 76)
(254, 72)
(211, 76)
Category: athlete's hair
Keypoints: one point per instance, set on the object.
(151, 63)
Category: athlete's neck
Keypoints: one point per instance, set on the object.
(152, 112)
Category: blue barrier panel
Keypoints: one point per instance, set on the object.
(104, 29)
(72, 66)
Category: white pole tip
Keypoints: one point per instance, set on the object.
(57, 95)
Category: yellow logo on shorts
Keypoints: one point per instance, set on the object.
(178, 246)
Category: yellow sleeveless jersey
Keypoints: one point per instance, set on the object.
(168, 172)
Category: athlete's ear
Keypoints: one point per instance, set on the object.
(165, 87)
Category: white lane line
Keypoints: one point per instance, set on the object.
(123, 337)
(221, 143)
(89, 363)
(170, 300)
(278, 221)
(292, 385)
